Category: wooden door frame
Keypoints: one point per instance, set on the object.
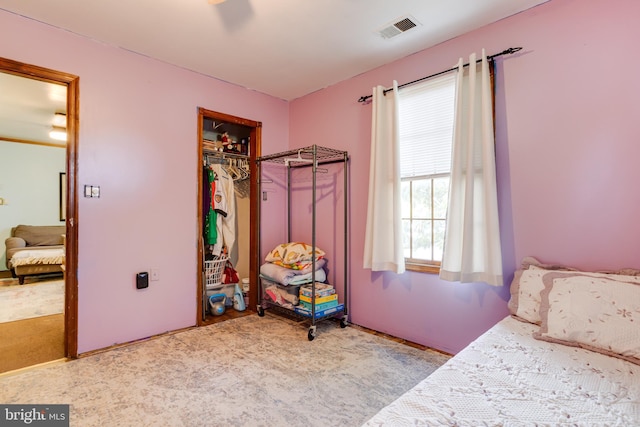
(255, 146)
(72, 83)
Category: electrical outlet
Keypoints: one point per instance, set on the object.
(155, 274)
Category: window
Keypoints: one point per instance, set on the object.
(426, 113)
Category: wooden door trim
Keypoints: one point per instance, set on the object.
(71, 247)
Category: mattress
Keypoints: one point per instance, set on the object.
(508, 378)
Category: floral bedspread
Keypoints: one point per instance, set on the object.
(508, 378)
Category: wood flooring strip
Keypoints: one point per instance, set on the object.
(31, 341)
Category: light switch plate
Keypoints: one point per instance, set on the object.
(91, 191)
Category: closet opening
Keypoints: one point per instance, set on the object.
(228, 211)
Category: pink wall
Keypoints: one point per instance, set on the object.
(567, 149)
(138, 142)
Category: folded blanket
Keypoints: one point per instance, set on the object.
(39, 256)
(295, 255)
(286, 276)
(281, 296)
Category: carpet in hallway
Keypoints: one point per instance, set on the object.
(31, 300)
(31, 341)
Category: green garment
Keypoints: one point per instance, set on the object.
(210, 231)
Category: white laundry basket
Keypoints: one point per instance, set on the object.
(213, 271)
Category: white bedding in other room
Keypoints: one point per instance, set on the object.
(37, 256)
(508, 378)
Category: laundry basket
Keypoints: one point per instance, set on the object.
(213, 271)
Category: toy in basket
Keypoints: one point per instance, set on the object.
(213, 271)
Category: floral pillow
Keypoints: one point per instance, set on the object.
(294, 255)
(526, 286)
(525, 294)
(528, 283)
(597, 313)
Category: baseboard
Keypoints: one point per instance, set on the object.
(128, 343)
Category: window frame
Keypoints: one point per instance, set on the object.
(416, 264)
(432, 266)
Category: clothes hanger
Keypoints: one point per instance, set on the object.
(298, 159)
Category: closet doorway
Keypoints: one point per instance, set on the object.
(18, 114)
(230, 145)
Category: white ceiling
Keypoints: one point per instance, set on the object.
(27, 108)
(283, 48)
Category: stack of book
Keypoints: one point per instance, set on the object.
(326, 300)
(322, 290)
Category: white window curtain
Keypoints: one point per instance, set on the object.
(383, 250)
(472, 251)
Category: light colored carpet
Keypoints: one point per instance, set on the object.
(26, 301)
(251, 371)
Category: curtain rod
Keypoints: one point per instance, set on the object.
(490, 58)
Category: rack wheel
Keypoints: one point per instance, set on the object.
(343, 322)
(312, 333)
(260, 311)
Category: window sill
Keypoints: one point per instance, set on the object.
(422, 268)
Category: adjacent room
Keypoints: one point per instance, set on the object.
(272, 212)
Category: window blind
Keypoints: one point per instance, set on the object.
(426, 113)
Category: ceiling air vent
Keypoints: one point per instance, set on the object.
(398, 27)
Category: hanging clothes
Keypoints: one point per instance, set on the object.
(206, 195)
(223, 206)
(211, 219)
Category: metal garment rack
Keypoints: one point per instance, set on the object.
(313, 157)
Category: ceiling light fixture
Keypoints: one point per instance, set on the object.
(58, 133)
(59, 129)
(60, 119)
(216, 1)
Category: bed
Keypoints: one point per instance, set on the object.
(573, 359)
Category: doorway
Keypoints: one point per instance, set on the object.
(226, 138)
(65, 183)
